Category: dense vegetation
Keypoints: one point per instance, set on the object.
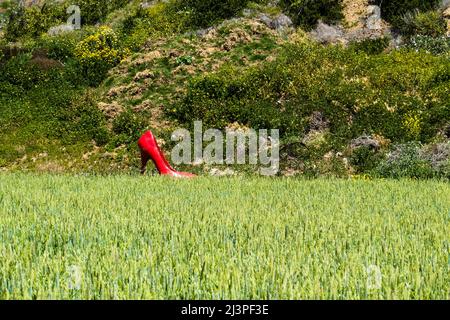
(402, 96)
(395, 10)
(204, 13)
(33, 21)
(322, 98)
(65, 237)
(306, 13)
(376, 92)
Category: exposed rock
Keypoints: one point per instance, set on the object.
(116, 91)
(325, 33)
(446, 15)
(438, 155)
(147, 58)
(353, 12)
(374, 22)
(111, 110)
(235, 37)
(146, 74)
(281, 22)
(204, 32)
(265, 19)
(365, 141)
(445, 4)
(54, 31)
(362, 21)
(278, 23)
(206, 52)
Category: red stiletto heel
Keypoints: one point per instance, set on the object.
(151, 150)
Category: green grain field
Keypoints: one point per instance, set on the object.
(125, 237)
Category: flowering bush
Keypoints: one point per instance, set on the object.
(412, 125)
(98, 53)
(440, 45)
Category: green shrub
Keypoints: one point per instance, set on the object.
(365, 159)
(371, 46)
(3, 17)
(10, 91)
(159, 20)
(223, 98)
(306, 13)
(51, 108)
(128, 126)
(60, 47)
(430, 23)
(33, 21)
(405, 161)
(412, 160)
(18, 71)
(94, 11)
(203, 13)
(394, 10)
(2, 54)
(81, 119)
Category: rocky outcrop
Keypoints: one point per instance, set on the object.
(446, 15)
(280, 22)
(64, 28)
(365, 141)
(438, 155)
(110, 110)
(362, 21)
(325, 33)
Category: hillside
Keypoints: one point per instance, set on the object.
(352, 93)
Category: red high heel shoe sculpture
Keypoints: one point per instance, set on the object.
(150, 150)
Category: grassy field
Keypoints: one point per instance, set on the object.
(124, 237)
